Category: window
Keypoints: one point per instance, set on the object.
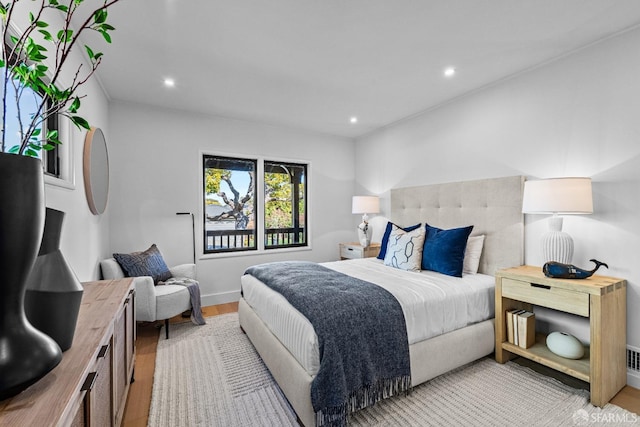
(285, 210)
(229, 204)
(231, 219)
(28, 103)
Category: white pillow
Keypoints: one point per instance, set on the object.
(472, 254)
(404, 250)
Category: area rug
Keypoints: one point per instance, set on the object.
(212, 376)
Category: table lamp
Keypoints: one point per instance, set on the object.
(557, 196)
(365, 205)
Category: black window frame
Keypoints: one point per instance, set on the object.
(296, 235)
(238, 245)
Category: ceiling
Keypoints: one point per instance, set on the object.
(313, 64)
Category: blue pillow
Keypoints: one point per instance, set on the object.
(444, 250)
(387, 233)
(146, 263)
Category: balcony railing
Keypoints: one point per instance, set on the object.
(242, 240)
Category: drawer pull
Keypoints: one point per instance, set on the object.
(103, 351)
(350, 249)
(89, 382)
(535, 285)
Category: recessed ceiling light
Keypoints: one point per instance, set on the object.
(449, 72)
(169, 82)
(353, 119)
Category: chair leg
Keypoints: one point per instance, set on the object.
(166, 328)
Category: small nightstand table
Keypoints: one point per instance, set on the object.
(603, 300)
(354, 250)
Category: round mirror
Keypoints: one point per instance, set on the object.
(96, 170)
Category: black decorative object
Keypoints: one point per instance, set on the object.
(26, 354)
(569, 271)
(54, 294)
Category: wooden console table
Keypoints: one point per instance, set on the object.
(600, 299)
(89, 387)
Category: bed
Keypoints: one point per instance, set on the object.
(492, 206)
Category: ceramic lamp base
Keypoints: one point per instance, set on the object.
(364, 235)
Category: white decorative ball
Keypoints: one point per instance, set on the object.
(565, 345)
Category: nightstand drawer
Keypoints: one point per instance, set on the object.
(547, 296)
(351, 252)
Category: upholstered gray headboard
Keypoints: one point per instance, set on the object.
(492, 206)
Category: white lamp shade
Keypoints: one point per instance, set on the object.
(365, 204)
(558, 195)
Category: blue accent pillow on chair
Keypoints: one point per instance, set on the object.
(444, 249)
(146, 263)
(387, 233)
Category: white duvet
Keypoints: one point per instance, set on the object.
(432, 303)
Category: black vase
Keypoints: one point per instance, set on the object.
(54, 294)
(26, 354)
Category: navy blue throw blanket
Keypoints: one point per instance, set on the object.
(362, 334)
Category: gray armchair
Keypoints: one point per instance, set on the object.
(155, 302)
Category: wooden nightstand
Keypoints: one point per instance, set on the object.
(603, 300)
(354, 250)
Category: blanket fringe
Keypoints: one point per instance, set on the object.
(336, 416)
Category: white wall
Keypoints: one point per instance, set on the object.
(156, 171)
(85, 237)
(578, 116)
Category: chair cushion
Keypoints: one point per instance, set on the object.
(171, 300)
(145, 263)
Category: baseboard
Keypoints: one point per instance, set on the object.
(220, 298)
(633, 380)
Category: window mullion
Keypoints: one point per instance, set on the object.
(259, 216)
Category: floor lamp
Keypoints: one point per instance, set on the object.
(193, 232)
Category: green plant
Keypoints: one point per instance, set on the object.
(37, 56)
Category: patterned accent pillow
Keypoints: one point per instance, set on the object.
(385, 237)
(404, 250)
(146, 263)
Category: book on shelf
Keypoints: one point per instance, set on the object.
(520, 327)
(526, 329)
(514, 325)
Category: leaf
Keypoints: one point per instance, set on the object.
(41, 24)
(31, 17)
(106, 36)
(52, 136)
(31, 153)
(46, 34)
(75, 105)
(89, 52)
(1, 63)
(100, 16)
(15, 149)
(62, 7)
(80, 122)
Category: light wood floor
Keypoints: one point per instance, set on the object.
(137, 410)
